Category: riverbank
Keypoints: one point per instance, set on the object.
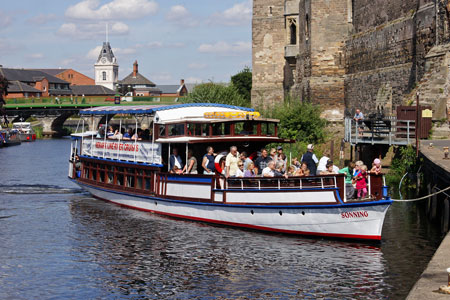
(434, 276)
(437, 171)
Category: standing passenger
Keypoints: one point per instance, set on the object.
(175, 160)
(208, 162)
(191, 165)
(262, 161)
(231, 162)
(310, 159)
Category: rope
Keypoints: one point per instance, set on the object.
(421, 198)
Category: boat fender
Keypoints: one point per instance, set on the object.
(217, 162)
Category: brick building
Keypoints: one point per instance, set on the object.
(70, 75)
(346, 53)
(139, 84)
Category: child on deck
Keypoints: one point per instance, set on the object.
(376, 166)
(361, 183)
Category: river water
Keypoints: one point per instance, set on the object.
(56, 242)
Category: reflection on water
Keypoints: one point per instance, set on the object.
(57, 242)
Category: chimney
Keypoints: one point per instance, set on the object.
(135, 68)
(181, 81)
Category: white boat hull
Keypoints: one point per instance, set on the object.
(356, 220)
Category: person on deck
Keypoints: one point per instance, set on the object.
(231, 162)
(376, 166)
(359, 117)
(262, 161)
(269, 170)
(110, 132)
(208, 161)
(348, 171)
(250, 171)
(175, 160)
(191, 165)
(240, 171)
(245, 159)
(310, 159)
(322, 166)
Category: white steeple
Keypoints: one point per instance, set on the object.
(106, 67)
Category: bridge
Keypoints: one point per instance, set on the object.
(52, 116)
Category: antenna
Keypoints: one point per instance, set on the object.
(106, 31)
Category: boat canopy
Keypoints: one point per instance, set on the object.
(150, 109)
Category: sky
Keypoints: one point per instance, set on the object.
(195, 40)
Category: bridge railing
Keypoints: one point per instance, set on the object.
(387, 131)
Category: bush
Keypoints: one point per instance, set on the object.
(404, 161)
(216, 93)
(299, 121)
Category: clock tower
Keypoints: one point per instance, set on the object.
(106, 68)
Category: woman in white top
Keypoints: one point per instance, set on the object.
(322, 166)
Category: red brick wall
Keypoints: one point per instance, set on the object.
(75, 78)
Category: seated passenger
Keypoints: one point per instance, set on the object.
(110, 132)
(128, 134)
(303, 170)
(278, 172)
(291, 170)
(250, 172)
(117, 135)
(137, 135)
(101, 133)
(240, 170)
(329, 169)
(269, 170)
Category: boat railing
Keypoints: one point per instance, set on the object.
(264, 183)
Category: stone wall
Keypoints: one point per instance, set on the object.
(391, 54)
(269, 39)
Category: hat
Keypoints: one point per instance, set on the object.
(376, 161)
(310, 147)
(279, 148)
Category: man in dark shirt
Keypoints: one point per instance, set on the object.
(262, 161)
(310, 159)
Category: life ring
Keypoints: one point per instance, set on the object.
(217, 163)
(253, 156)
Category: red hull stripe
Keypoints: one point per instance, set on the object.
(336, 235)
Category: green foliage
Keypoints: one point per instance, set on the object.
(404, 161)
(243, 82)
(299, 121)
(38, 130)
(216, 93)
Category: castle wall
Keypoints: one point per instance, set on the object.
(388, 49)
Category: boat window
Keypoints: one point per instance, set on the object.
(110, 178)
(176, 129)
(268, 129)
(101, 177)
(119, 178)
(162, 130)
(221, 128)
(194, 129)
(205, 129)
(139, 182)
(243, 128)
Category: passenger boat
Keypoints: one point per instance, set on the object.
(26, 132)
(134, 174)
(9, 137)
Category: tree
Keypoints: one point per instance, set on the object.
(299, 121)
(3, 91)
(216, 93)
(243, 82)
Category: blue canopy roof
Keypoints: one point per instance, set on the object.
(149, 109)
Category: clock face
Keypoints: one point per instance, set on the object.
(103, 60)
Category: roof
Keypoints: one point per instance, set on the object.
(92, 90)
(29, 75)
(169, 88)
(139, 79)
(52, 72)
(20, 87)
(107, 53)
(149, 109)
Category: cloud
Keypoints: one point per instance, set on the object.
(225, 49)
(116, 9)
(42, 19)
(196, 66)
(163, 77)
(68, 61)
(5, 20)
(179, 15)
(88, 31)
(239, 14)
(193, 80)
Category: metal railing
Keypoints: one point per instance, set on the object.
(390, 131)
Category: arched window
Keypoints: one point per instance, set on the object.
(104, 75)
(293, 35)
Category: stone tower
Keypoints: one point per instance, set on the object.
(269, 40)
(106, 68)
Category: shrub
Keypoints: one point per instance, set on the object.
(216, 93)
